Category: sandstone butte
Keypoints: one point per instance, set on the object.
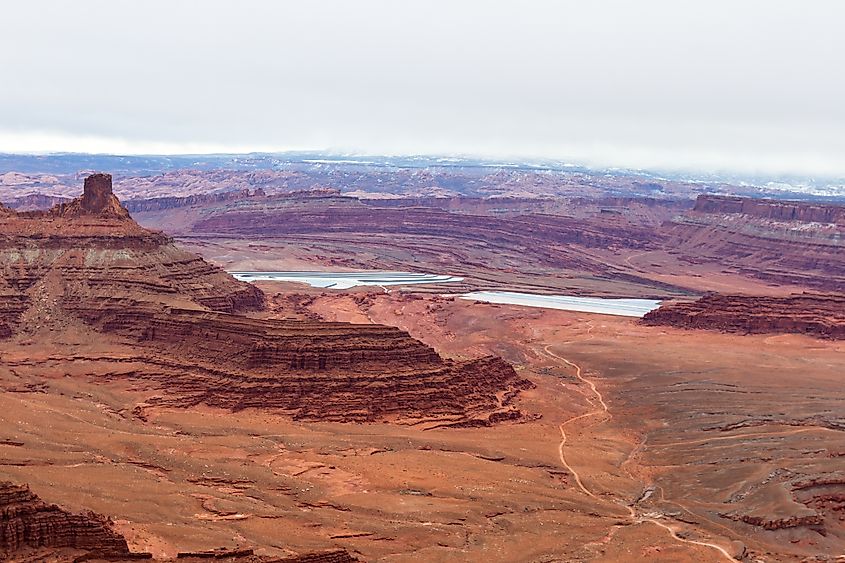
(85, 267)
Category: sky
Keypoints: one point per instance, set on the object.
(723, 85)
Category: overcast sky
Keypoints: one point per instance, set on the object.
(713, 85)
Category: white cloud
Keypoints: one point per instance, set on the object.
(748, 86)
(43, 142)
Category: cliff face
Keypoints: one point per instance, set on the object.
(34, 202)
(86, 265)
(90, 248)
(779, 242)
(28, 522)
(162, 203)
(821, 316)
(778, 210)
(341, 216)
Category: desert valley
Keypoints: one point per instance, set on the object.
(154, 406)
(422, 282)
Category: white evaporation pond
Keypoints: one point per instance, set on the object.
(622, 307)
(346, 280)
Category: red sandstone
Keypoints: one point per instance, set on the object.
(818, 315)
(87, 261)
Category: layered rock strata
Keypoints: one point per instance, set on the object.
(90, 247)
(86, 265)
(28, 522)
(247, 556)
(818, 315)
(778, 210)
(312, 370)
(282, 217)
(34, 530)
(775, 241)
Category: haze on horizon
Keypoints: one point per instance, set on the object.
(750, 87)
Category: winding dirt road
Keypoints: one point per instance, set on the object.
(603, 410)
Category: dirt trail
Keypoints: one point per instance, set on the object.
(602, 410)
(605, 411)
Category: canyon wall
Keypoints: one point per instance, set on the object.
(778, 242)
(779, 210)
(528, 231)
(775, 242)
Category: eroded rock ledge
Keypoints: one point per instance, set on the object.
(33, 530)
(818, 315)
(86, 266)
(27, 521)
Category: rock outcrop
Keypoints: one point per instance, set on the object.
(86, 265)
(97, 200)
(812, 520)
(311, 370)
(816, 501)
(28, 522)
(33, 530)
(247, 556)
(818, 315)
(90, 248)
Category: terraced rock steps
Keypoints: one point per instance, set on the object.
(818, 315)
(781, 242)
(85, 265)
(28, 522)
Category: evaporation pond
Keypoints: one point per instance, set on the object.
(623, 307)
(346, 280)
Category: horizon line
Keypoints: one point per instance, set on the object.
(541, 162)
